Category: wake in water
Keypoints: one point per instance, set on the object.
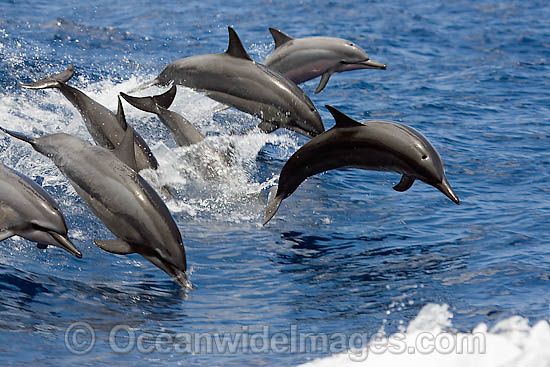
(205, 183)
(430, 340)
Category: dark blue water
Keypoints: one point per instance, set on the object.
(345, 253)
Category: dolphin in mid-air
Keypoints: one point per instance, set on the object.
(119, 197)
(103, 125)
(234, 79)
(376, 145)
(302, 59)
(26, 210)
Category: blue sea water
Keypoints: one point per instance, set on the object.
(345, 253)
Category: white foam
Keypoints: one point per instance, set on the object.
(511, 342)
(205, 184)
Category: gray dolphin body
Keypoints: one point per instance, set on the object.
(232, 78)
(302, 59)
(182, 130)
(375, 145)
(119, 197)
(104, 126)
(28, 211)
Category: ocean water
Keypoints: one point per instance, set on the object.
(346, 257)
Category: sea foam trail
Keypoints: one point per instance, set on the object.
(429, 340)
(204, 185)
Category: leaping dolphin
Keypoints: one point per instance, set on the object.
(28, 211)
(376, 145)
(234, 79)
(104, 126)
(119, 197)
(302, 59)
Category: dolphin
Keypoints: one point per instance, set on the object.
(376, 145)
(26, 210)
(127, 205)
(182, 130)
(302, 59)
(234, 79)
(104, 126)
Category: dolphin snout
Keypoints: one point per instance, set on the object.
(370, 64)
(446, 189)
(64, 243)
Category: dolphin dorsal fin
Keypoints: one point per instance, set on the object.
(279, 37)
(125, 150)
(120, 116)
(341, 119)
(236, 48)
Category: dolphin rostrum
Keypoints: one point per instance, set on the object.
(28, 211)
(234, 79)
(376, 145)
(104, 126)
(119, 197)
(302, 59)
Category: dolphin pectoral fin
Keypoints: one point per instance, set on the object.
(273, 203)
(116, 246)
(405, 183)
(5, 235)
(279, 37)
(51, 81)
(236, 48)
(42, 246)
(267, 127)
(125, 151)
(323, 82)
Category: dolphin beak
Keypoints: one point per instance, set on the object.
(370, 64)
(19, 136)
(446, 189)
(65, 244)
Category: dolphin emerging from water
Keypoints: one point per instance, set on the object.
(28, 211)
(232, 78)
(183, 131)
(302, 59)
(104, 126)
(119, 197)
(376, 145)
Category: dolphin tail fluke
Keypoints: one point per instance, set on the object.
(51, 81)
(273, 203)
(19, 136)
(151, 104)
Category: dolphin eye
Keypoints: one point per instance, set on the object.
(424, 157)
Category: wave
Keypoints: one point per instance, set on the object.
(430, 340)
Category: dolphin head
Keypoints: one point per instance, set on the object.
(172, 263)
(427, 165)
(307, 121)
(50, 145)
(352, 57)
